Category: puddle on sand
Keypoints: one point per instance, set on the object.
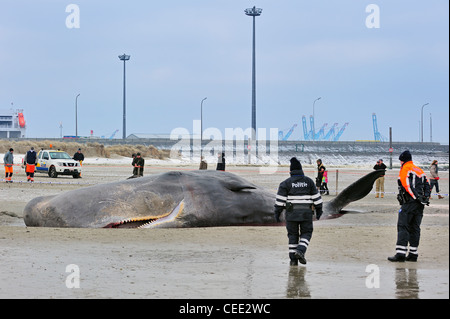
(390, 281)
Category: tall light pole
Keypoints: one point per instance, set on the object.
(314, 119)
(431, 129)
(76, 115)
(201, 128)
(124, 58)
(421, 122)
(253, 12)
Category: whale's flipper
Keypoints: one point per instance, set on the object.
(354, 192)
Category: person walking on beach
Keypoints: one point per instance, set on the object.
(298, 195)
(379, 183)
(30, 161)
(8, 161)
(414, 194)
(434, 179)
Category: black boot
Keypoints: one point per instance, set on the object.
(301, 257)
(411, 257)
(397, 258)
(293, 262)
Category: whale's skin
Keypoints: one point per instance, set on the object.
(173, 199)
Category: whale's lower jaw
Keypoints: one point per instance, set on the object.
(149, 221)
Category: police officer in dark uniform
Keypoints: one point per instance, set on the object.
(414, 193)
(298, 195)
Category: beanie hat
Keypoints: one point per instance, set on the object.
(405, 156)
(295, 164)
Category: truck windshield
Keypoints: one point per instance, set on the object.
(59, 155)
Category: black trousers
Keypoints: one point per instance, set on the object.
(408, 227)
(299, 234)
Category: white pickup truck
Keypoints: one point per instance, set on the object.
(56, 163)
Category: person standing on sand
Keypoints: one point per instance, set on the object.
(220, 162)
(8, 161)
(320, 170)
(138, 163)
(324, 186)
(203, 164)
(414, 194)
(79, 157)
(434, 171)
(297, 195)
(379, 183)
(30, 161)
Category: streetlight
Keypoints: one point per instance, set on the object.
(421, 122)
(201, 127)
(76, 115)
(431, 129)
(314, 119)
(124, 58)
(253, 12)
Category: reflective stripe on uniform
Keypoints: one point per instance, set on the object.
(304, 242)
(401, 249)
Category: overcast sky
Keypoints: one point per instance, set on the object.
(183, 51)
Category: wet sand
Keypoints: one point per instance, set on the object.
(347, 257)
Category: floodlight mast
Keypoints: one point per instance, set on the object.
(124, 58)
(253, 12)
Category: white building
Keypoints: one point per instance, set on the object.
(12, 124)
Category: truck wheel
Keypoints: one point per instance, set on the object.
(52, 172)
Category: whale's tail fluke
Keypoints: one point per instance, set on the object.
(354, 192)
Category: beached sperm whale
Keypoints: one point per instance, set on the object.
(173, 199)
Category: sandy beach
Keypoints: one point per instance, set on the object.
(347, 257)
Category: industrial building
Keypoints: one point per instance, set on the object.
(12, 123)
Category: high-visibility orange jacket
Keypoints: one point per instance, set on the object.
(414, 181)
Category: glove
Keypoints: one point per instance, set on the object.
(277, 214)
(436, 178)
(277, 217)
(319, 213)
(424, 200)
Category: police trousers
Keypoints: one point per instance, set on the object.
(299, 234)
(408, 227)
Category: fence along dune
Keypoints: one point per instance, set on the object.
(88, 149)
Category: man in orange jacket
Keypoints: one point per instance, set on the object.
(414, 193)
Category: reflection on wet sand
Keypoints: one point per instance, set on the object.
(297, 287)
(407, 285)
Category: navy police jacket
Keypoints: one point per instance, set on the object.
(298, 194)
